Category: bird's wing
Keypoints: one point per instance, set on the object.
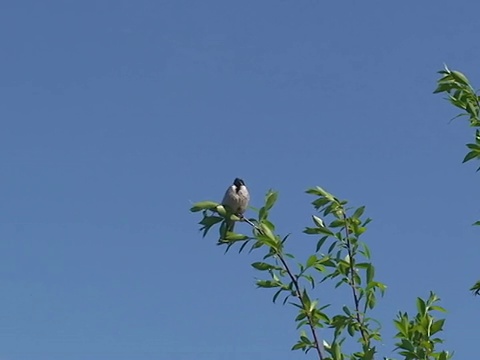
(229, 198)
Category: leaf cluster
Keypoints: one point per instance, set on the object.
(416, 335)
(463, 96)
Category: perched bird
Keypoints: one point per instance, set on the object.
(236, 199)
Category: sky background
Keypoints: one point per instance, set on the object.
(117, 115)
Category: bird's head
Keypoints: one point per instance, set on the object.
(238, 182)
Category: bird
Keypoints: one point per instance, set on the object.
(236, 199)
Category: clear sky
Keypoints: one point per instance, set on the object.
(116, 115)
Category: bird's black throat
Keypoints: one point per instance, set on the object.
(238, 183)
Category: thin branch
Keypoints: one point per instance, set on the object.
(250, 223)
(353, 285)
(294, 280)
(299, 295)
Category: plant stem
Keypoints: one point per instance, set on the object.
(299, 295)
(294, 280)
(353, 285)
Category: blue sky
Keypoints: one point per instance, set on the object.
(116, 115)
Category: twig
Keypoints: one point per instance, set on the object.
(299, 295)
(294, 280)
(352, 280)
(251, 223)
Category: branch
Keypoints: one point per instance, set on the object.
(294, 280)
(299, 295)
(352, 280)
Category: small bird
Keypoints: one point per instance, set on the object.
(236, 199)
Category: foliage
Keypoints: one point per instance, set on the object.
(342, 258)
(463, 96)
(415, 335)
(339, 257)
(460, 93)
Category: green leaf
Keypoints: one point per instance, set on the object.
(203, 205)
(359, 212)
(305, 299)
(302, 315)
(476, 288)
(256, 245)
(370, 273)
(366, 250)
(263, 266)
(458, 76)
(317, 230)
(210, 220)
(421, 306)
(269, 224)
(474, 147)
(270, 200)
(351, 329)
(262, 214)
(437, 326)
(272, 243)
(337, 351)
(402, 328)
(301, 323)
(268, 283)
(243, 246)
(367, 221)
(327, 261)
(323, 239)
(235, 237)
(267, 231)
(407, 345)
(471, 155)
(310, 279)
(371, 300)
(311, 261)
(369, 354)
(299, 346)
(220, 209)
(363, 265)
(337, 223)
(343, 281)
(437, 308)
(320, 203)
(319, 315)
(443, 87)
(305, 339)
(285, 238)
(443, 355)
(319, 267)
(318, 221)
(276, 295)
(331, 247)
(316, 191)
